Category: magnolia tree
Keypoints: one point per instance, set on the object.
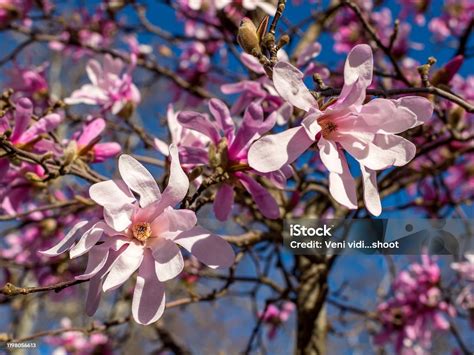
(151, 152)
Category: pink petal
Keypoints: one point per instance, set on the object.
(168, 259)
(371, 194)
(104, 151)
(148, 302)
(357, 75)
(330, 155)
(400, 149)
(94, 71)
(88, 240)
(342, 186)
(251, 123)
(117, 201)
(288, 81)
(200, 123)
(95, 283)
(222, 115)
(209, 248)
(96, 261)
(24, 110)
(264, 200)
(252, 63)
(68, 241)
(420, 106)
(310, 52)
(272, 152)
(91, 131)
(44, 125)
(178, 182)
(223, 202)
(139, 179)
(385, 116)
(123, 266)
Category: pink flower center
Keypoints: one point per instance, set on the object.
(327, 127)
(142, 231)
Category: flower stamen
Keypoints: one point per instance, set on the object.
(141, 231)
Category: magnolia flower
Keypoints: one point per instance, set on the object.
(417, 307)
(141, 234)
(275, 316)
(86, 142)
(26, 132)
(246, 4)
(230, 147)
(110, 88)
(368, 132)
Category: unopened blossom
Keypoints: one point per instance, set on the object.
(85, 142)
(368, 132)
(229, 147)
(111, 86)
(275, 316)
(75, 342)
(19, 129)
(143, 235)
(416, 308)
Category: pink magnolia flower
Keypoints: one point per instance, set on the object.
(368, 132)
(86, 144)
(110, 88)
(232, 145)
(29, 80)
(78, 343)
(416, 308)
(275, 316)
(141, 235)
(26, 132)
(454, 19)
(249, 5)
(28, 135)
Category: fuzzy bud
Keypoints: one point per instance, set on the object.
(247, 37)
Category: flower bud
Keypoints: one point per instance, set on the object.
(248, 38)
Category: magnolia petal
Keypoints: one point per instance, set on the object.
(401, 149)
(91, 131)
(148, 302)
(272, 152)
(168, 259)
(371, 194)
(44, 125)
(96, 261)
(178, 182)
(200, 123)
(384, 115)
(87, 241)
(95, 284)
(330, 155)
(288, 81)
(357, 76)
(139, 179)
(68, 241)
(342, 186)
(251, 123)
(420, 106)
(264, 200)
(221, 114)
(223, 202)
(23, 112)
(111, 193)
(123, 267)
(209, 248)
